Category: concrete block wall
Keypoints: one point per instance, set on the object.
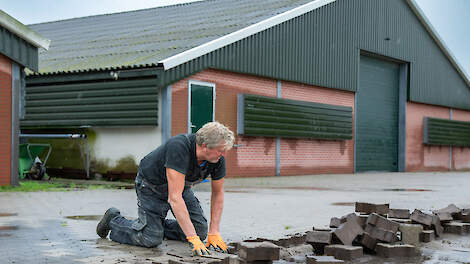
(256, 156)
(420, 157)
(5, 120)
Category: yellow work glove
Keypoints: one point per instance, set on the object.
(198, 247)
(215, 240)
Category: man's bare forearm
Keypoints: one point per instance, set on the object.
(217, 206)
(182, 216)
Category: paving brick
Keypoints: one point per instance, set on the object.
(350, 217)
(381, 234)
(465, 217)
(348, 231)
(445, 217)
(368, 241)
(436, 224)
(335, 222)
(399, 213)
(322, 260)
(382, 222)
(323, 237)
(410, 233)
(344, 252)
(400, 221)
(253, 251)
(426, 236)
(292, 240)
(421, 218)
(369, 208)
(395, 251)
(451, 208)
(457, 228)
(230, 260)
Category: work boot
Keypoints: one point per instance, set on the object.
(102, 229)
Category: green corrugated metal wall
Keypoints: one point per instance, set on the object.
(323, 48)
(103, 103)
(18, 49)
(446, 132)
(377, 116)
(275, 117)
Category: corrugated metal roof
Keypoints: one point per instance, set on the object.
(144, 37)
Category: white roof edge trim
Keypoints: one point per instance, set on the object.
(440, 42)
(23, 31)
(210, 46)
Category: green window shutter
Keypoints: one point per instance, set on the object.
(446, 132)
(98, 103)
(274, 117)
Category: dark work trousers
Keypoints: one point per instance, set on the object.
(151, 226)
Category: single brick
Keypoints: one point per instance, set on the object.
(322, 260)
(347, 232)
(251, 251)
(344, 252)
(457, 228)
(382, 222)
(368, 208)
(421, 218)
(394, 251)
(350, 217)
(465, 217)
(400, 221)
(451, 208)
(445, 217)
(410, 234)
(399, 213)
(381, 234)
(292, 240)
(368, 241)
(335, 222)
(426, 236)
(323, 237)
(436, 224)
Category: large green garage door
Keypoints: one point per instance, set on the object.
(377, 116)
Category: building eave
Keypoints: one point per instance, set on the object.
(16, 27)
(208, 47)
(440, 42)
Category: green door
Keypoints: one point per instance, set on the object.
(377, 115)
(201, 105)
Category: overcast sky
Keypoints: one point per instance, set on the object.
(449, 17)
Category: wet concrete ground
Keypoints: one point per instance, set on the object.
(59, 227)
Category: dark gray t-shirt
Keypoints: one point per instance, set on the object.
(179, 153)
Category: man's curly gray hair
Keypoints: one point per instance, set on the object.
(213, 133)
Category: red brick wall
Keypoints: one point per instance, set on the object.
(461, 155)
(305, 156)
(256, 157)
(418, 156)
(5, 120)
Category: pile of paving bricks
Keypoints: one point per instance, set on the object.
(376, 229)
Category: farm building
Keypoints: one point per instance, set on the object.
(325, 86)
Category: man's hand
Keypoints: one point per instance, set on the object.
(215, 240)
(198, 247)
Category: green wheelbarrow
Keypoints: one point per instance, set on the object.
(30, 165)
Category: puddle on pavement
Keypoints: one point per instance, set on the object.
(343, 204)
(406, 190)
(5, 235)
(7, 228)
(7, 214)
(85, 217)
